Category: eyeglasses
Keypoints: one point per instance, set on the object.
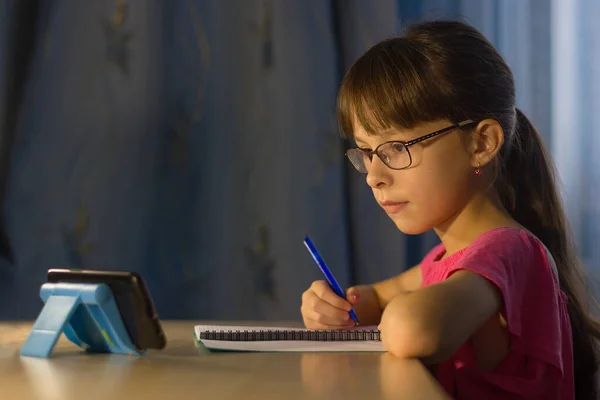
(394, 154)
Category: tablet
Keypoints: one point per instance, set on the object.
(132, 298)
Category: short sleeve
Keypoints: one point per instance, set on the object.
(516, 262)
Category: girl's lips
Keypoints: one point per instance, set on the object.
(393, 207)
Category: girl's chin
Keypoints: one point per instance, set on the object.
(411, 229)
(410, 226)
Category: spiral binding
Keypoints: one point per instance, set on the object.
(262, 335)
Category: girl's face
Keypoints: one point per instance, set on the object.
(437, 185)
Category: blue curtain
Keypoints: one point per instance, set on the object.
(575, 120)
(191, 141)
(195, 142)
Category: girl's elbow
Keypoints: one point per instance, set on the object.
(410, 332)
(416, 341)
(410, 344)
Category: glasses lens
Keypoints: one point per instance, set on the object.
(394, 155)
(358, 158)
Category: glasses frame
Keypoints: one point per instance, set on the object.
(406, 144)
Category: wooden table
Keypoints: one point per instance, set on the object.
(182, 371)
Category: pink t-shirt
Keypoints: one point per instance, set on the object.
(540, 362)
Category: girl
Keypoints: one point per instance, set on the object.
(498, 306)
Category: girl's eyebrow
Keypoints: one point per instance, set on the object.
(360, 143)
(386, 135)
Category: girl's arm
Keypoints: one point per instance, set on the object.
(433, 322)
(372, 299)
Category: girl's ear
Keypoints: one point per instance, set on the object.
(486, 140)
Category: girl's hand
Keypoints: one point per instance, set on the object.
(323, 309)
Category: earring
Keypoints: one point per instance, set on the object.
(478, 170)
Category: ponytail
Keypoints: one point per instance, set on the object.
(526, 187)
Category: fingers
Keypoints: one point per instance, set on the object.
(353, 295)
(315, 324)
(324, 292)
(318, 312)
(323, 312)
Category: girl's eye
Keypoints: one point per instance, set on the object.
(399, 147)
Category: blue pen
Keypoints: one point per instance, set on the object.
(328, 275)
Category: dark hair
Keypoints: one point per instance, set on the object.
(448, 70)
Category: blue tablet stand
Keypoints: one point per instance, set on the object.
(86, 313)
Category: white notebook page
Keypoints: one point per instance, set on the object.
(285, 345)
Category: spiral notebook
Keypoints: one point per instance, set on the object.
(284, 339)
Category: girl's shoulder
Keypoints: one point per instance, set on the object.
(497, 241)
(504, 248)
(508, 236)
(515, 245)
